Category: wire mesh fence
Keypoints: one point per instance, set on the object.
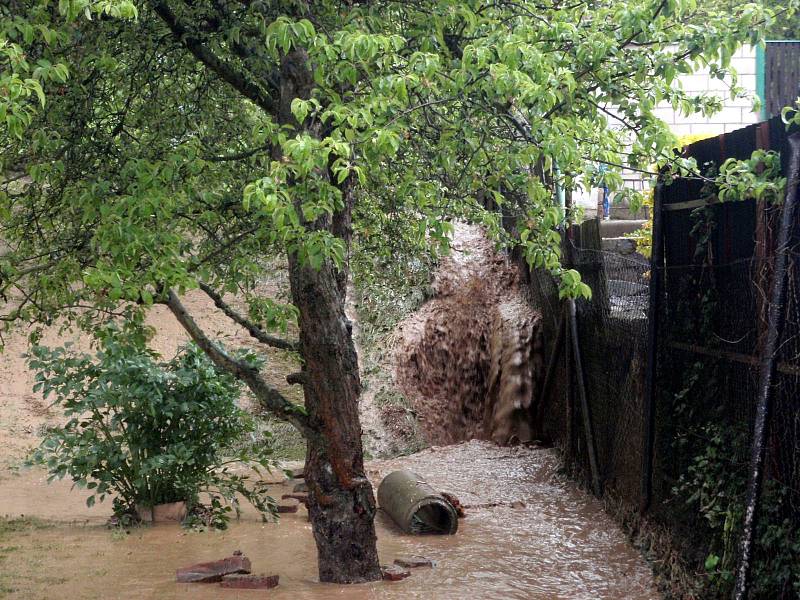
(612, 330)
(711, 306)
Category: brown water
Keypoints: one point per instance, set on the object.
(469, 359)
(475, 340)
(515, 364)
(560, 545)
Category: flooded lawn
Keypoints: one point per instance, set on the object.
(559, 545)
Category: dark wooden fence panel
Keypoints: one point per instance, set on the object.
(781, 75)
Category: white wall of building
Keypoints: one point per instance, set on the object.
(735, 114)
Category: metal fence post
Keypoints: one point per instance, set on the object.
(580, 383)
(776, 318)
(653, 309)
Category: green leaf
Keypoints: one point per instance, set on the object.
(712, 560)
(299, 109)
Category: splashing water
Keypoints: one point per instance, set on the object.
(470, 358)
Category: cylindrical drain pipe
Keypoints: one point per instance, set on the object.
(415, 506)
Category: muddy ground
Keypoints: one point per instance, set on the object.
(24, 413)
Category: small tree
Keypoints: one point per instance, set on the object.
(147, 432)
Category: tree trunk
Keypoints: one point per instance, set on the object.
(341, 503)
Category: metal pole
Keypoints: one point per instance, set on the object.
(568, 396)
(571, 331)
(581, 385)
(567, 241)
(648, 408)
(544, 393)
(776, 318)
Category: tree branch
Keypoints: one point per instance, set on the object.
(236, 78)
(240, 155)
(269, 397)
(252, 329)
(298, 378)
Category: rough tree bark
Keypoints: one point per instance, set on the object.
(341, 502)
(342, 505)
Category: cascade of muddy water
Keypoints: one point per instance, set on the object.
(515, 363)
(470, 357)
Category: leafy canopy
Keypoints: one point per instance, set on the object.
(154, 144)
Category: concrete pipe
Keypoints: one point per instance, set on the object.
(415, 506)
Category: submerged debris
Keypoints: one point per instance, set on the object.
(394, 573)
(250, 582)
(414, 562)
(415, 506)
(302, 498)
(212, 572)
(455, 503)
(231, 572)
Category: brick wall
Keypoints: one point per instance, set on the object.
(735, 114)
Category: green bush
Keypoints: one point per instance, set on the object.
(147, 432)
(714, 488)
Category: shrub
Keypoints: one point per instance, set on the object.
(147, 432)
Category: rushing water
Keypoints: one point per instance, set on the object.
(469, 358)
(560, 545)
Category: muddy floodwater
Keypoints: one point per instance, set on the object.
(559, 545)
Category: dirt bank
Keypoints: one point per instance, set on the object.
(24, 413)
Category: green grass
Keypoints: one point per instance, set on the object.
(11, 525)
(10, 528)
